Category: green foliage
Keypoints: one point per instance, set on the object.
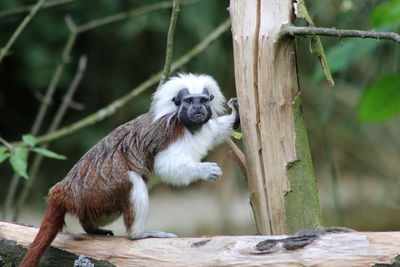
(386, 13)
(237, 135)
(4, 154)
(19, 154)
(381, 100)
(48, 153)
(341, 57)
(350, 51)
(29, 139)
(19, 161)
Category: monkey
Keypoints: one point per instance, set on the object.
(186, 119)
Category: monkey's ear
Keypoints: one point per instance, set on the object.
(176, 100)
(211, 97)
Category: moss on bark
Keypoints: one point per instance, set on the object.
(302, 202)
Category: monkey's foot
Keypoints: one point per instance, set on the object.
(154, 234)
(101, 232)
(92, 229)
(97, 231)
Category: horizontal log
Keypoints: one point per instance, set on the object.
(332, 249)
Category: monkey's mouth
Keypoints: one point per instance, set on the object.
(198, 116)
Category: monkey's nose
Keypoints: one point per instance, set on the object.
(197, 107)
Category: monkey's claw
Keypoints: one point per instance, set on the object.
(211, 171)
(108, 232)
(213, 177)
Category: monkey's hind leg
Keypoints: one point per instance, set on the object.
(135, 216)
(92, 229)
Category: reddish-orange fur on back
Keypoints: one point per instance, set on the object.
(52, 223)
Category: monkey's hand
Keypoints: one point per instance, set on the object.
(210, 171)
(233, 104)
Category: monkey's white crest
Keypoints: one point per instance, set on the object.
(162, 103)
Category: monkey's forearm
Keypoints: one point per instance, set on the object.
(183, 171)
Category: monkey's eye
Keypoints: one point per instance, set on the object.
(203, 100)
(189, 100)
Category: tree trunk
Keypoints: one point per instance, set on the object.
(282, 184)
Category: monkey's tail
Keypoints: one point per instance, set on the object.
(52, 223)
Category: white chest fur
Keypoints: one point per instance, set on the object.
(179, 163)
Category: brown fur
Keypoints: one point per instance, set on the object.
(52, 223)
(98, 184)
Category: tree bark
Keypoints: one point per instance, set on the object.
(282, 184)
(334, 249)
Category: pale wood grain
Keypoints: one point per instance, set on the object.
(271, 119)
(244, 34)
(336, 249)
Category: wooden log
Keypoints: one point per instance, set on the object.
(333, 249)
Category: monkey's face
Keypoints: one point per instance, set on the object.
(193, 110)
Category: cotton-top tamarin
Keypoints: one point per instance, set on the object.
(183, 124)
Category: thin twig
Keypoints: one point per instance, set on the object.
(128, 14)
(69, 95)
(24, 9)
(70, 24)
(170, 41)
(295, 31)
(21, 27)
(117, 104)
(54, 81)
(37, 160)
(238, 156)
(41, 114)
(6, 144)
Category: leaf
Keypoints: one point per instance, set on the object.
(29, 139)
(386, 13)
(19, 161)
(3, 150)
(381, 100)
(237, 135)
(4, 156)
(48, 153)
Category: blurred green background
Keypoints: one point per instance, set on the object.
(353, 129)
